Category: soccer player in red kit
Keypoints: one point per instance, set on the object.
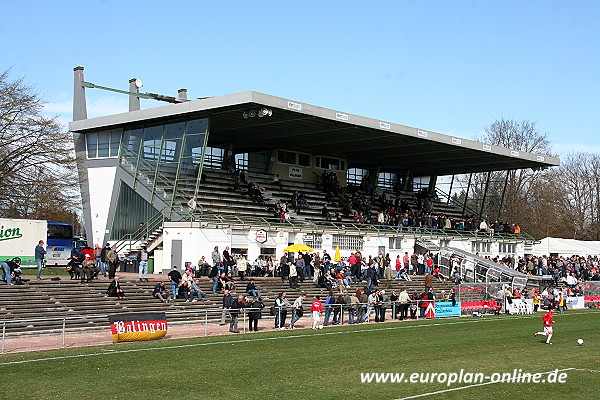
(548, 321)
(316, 308)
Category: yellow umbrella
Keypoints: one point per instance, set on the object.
(337, 257)
(298, 247)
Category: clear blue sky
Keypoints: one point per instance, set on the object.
(447, 66)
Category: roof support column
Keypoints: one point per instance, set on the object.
(432, 184)
(408, 181)
(487, 185)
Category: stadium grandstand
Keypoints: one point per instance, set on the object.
(256, 173)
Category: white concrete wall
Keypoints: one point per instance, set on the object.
(198, 242)
(101, 181)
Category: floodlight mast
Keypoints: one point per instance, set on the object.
(152, 96)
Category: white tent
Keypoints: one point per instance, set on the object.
(566, 247)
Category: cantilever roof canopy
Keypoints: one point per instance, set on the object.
(364, 142)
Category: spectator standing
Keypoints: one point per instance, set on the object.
(88, 250)
(281, 306)
(293, 276)
(297, 309)
(175, 276)
(227, 260)
(234, 312)
(428, 282)
(352, 308)
(214, 275)
(97, 255)
(329, 302)
(216, 259)
(192, 205)
(242, 266)
(40, 254)
(111, 257)
(404, 303)
(103, 259)
(255, 313)
(395, 306)
(300, 266)
(226, 303)
(143, 266)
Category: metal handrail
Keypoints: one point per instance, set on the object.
(344, 226)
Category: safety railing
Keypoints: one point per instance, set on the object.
(61, 332)
(317, 225)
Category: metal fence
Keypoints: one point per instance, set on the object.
(67, 331)
(480, 291)
(591, 288)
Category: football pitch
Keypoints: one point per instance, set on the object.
(333, 363)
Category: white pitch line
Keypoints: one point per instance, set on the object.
(470, 386)
(111, 352)
(586, 370)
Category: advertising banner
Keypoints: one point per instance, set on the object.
(577, 302)
(138, 326)
(445, 309)
(520, 306)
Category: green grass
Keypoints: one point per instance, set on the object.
(305, 364)
(46, 271)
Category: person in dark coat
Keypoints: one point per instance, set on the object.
(255, 313)
(114, 289)
(234, 311)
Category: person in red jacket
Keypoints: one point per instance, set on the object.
(548, 321)
(88, 250)
(316, 309)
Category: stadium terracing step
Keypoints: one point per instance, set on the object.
(45, 299)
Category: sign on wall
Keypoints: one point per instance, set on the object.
(261, 236)
(295, 173)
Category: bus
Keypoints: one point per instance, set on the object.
(59, 244)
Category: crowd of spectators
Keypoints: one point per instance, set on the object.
(364, 204)
(568, 270)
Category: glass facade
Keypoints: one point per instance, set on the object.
(131, 210)
(387, 180)
(167, 157)
(103, 144)
(356, 175)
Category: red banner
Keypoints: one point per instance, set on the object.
(137, 326)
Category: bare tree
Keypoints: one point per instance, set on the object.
(577, 195)
(522, 136)
(37, 160)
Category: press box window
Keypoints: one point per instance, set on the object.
(334, 164)
(304, 159)
(103, 144)
(286, 157)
